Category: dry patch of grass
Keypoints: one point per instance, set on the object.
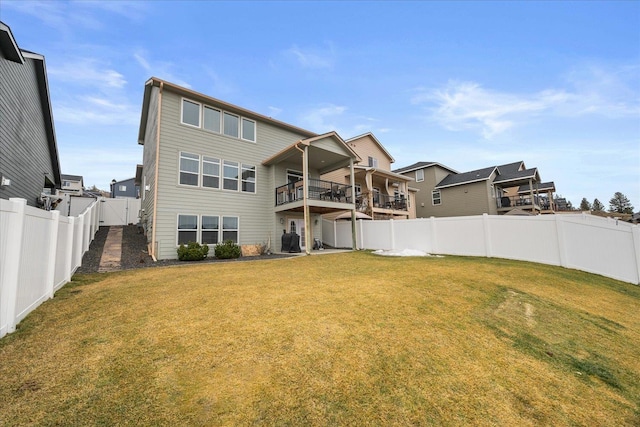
(351, 339)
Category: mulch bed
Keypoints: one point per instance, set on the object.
(135, 255)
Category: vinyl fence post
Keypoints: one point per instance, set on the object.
(392, 235)
(487, 235)
(561, 240)
(68, 257)
(361, 244)
(434, 237)
(79, 244)
(52, 253)
(635, 233)
(10, 273)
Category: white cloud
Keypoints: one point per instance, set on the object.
(591, 91)
(312, 58)
(86, 71)
(66, 16)
(160, 69)
(323, 119)
(274, 111)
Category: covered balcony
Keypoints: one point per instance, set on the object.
(322, 196)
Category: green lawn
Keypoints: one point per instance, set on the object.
(341, 339)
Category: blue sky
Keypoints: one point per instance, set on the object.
(466, 84)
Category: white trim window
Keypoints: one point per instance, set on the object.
(210, 229)
(212, 119)
(373, 162)
(189, 169)
(420, 175)
(230, 228)
(358, 188)
(190, 113)
(230, 176)
(248, 178)
(231, 124)
(248, 130)
(210, 172)
(187, 229)
(436, 197)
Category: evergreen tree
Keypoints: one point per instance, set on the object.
(585, 205)
(597, 206)
(619, 203)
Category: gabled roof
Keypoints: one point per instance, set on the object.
(543, 186)
(199, 97)
(467, 177)
(511, 167)
(8, 44)
(422, 165)
(517, 176)
(383, 172)
(369, 134)
(330, 161)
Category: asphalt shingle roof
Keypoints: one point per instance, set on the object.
(465, 177)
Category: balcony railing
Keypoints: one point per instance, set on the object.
(523, 201)
(383, 201)
(318, 190)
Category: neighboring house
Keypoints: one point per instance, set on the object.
(213, 171)
(29, 163)
(494, 190)
(72, 185)
(380, 193)
(125, 188)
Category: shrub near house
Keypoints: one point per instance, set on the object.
(192, 252)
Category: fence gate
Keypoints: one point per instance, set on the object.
(114, 212)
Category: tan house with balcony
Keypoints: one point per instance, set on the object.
(213, 171)
(380, 193)
(496, 190)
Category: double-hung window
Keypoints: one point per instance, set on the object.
(436, 198)
(212, 118)
(248, 178)
(420, 175)
(190, 113)
(230, 180)
(248, 130)
(231, 124)
(210, 229)
(230, 228)
(373, 162)
(189, 168)
(187, 229)
(210, 172)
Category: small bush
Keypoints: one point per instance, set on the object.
(228, 250)
(192, 252)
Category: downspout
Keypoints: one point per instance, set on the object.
(155, 189)
(305, 207)
(352, 182)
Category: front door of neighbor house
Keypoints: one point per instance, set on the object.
(296, 225)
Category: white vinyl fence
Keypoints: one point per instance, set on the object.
(39, 251)
(584, 242)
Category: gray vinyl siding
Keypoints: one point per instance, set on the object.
(149, 164)
(432, 176)
(25, 155)
(255, 211)
(463, 200)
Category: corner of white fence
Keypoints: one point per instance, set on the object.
(635, 233)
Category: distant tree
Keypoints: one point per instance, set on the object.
(597, 206)
(570, 206)
(585, 205)
(619, 203)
